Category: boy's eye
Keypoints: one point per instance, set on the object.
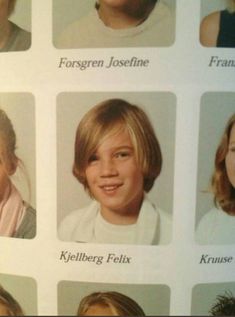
(122, 154)
(93, 158)
(232, 149)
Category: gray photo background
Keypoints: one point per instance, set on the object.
(71, 107)
(204, 296)
(22, 14)
(23, 289)
(68, 11)
(208, 6)
(216, 109)
(19, 107)
(153, 299)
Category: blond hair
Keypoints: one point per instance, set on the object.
(106, 118)
(120, 304)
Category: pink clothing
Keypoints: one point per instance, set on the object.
(12, 210)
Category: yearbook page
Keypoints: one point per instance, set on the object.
(117, 157)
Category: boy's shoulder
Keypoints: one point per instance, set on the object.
(165, 227)
(74, 220)
(163, 230)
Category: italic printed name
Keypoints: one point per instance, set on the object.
(67, 256)
(133, 62)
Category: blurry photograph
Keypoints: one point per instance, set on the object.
(215, 299)
(217, 27)
(215, 210)
(111, 23)
(104, 299)
(17, 166)
(15, 24)
(117, 158)
(18, 296)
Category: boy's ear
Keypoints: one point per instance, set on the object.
(12, 166)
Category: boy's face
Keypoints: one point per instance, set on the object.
(114, 177)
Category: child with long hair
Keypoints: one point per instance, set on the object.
(117, 159)
(12, 37)
(8, 305)
(217, 226)
(109, 304)
(17, 218)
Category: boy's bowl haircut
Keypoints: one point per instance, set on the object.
(106, 118)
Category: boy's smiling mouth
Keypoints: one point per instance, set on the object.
(110, 187)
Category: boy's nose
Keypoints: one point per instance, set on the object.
(107, 168)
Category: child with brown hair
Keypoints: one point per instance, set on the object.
(17, 218)
(8, 305)
(117, 159)
(109, 304)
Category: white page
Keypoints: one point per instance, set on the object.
(184, 76)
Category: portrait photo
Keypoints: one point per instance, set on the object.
(18, 296)
(15, 25)
(105, 23)
(104, 299)
(217, 23)
(115, 167)
(215, 205)
(214, 299)
(17, 177)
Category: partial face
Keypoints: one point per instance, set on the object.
(3, 310)
(3, 10)
(99, 310)
(113, 175)
(230, 158)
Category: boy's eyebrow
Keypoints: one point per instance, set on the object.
(116, 148)
(125, 147)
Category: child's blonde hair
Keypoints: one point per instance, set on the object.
(107, 118)
(120, 304)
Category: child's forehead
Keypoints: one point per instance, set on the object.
(116, 137)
